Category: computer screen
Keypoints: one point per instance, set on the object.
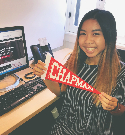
(13, 51)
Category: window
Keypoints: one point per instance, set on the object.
(118, 11)
(77, 9)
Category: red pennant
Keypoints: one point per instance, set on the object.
(57, 72)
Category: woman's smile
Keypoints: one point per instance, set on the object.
(90, 49)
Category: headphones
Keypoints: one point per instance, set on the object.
(26, 75)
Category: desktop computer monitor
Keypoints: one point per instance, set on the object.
(13, 51)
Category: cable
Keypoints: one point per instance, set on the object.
(26, 75)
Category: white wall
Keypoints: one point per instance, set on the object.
(40, 18)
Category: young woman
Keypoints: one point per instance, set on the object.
(95, 60)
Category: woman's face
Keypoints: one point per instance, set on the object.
(91, 39)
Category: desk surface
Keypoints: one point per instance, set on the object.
(22, 113)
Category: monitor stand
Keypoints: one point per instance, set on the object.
(9, 82)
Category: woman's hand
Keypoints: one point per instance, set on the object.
(108, 102)
(39, 68)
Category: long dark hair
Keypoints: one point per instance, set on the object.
(109, 64)
(108, 26)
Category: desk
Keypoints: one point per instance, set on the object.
(22, 113)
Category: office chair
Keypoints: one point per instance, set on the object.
(121, 53)
(119, 121)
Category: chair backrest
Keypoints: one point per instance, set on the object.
(122, 54)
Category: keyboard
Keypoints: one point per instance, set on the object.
(15, 97)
